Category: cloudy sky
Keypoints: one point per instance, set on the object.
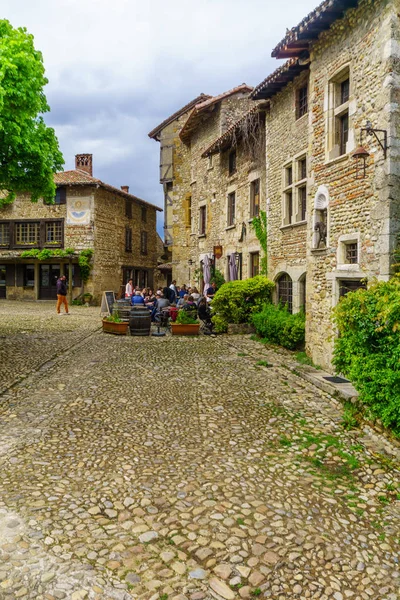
(117, 68)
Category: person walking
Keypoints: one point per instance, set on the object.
(62, 294)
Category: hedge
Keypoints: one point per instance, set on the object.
(367, 350)
(236, 301)
(277, 325)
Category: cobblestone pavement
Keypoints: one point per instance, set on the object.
(155, 468)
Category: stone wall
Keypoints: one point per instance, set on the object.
(359, 210)
(206, 182)
(286, 142)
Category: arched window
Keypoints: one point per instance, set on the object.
(285, 291)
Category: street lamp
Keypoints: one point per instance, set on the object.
(190, 262)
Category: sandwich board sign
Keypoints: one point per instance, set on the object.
(107, 302)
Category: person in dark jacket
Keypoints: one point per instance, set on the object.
(137, 299)
(62, 294)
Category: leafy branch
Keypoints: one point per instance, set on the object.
(259, 224)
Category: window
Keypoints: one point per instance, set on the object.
(128, 208)
(302, 168)
(232, 162)
(29, 275)
(202, 220)
(53, 232)
(285, 291)
(4, 235)
(144, 214)
(302, 194)
(289, 175)
(27, 234)
(339, 121)
(188, 211)
(288, 207)
(302, 101)
(254, 264)
(128, 239)
(295, 191)
(346, 286)
(61, 195)
(255, 198)
(143, 242)
(343, 123)
(231, 209)
(351, 253)
(210, 161)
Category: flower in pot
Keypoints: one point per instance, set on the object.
(87, 298)
(113, 324)
(186, 323)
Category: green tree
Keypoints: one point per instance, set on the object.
(29, 152)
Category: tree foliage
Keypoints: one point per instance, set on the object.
(29, 152)
(277, 325)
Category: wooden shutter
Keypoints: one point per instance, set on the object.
(10, 275)
(166, 158)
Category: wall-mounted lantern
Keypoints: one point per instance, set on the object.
(361, 154)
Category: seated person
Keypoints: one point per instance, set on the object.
(159, 304)
(190, 305)
(204, 313)
(137, 299)
(182, 300)
(211, 291)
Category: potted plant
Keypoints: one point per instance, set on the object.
(113, 324)
(186, 324)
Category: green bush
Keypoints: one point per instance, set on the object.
(236, 301)
(367, 350)
(278, 326)
(217, 278)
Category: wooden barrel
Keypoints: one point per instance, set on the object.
(140, 320)
(122, 308)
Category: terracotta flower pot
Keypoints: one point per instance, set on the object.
(116, 328)
(178, 329)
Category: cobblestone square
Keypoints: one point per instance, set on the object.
(181, 468)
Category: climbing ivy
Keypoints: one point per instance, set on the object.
(259, 225)
(84, 257)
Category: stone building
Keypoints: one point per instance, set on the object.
(117, 226)
(333, 220)
(212, 183)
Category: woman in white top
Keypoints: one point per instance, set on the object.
(129, 289)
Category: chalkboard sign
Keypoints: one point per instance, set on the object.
(107, 302)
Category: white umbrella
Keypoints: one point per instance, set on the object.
(233, 272)
(206, 273)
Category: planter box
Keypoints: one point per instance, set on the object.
(178, 329)
(116, 328)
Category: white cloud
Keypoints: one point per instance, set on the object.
(116, 69)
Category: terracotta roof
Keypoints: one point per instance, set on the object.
(195, 116)
(154, 132)
(165, 267)
(298, 39)
(224, 141)
(279, 79)
(78, 177)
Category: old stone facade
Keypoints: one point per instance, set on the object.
(118, 227)
(214, 183)
(343, 66)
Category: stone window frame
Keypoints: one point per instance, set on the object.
(284, 290)
(5, 234)
(203, 219)
(337, 110)
(231, 215)
(302, 104)
(341, 258)
(298, 275)
(254, 269)
(143, 242)
(292, 182)
(232, 162)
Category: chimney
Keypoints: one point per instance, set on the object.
(83, 162)
(125, 188)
